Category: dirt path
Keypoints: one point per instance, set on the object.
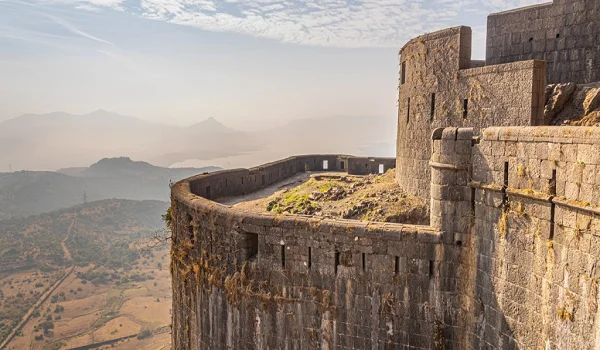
(290, 182)
(42, 298)
(63, 243)
(37, 304)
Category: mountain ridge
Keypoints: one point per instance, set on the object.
(59, 140)
(26, 192)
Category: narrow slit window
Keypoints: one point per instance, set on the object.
(337, 260)
(309, 257)
(250, 242)
(225, 182)
(342, 165)
(431, 267)
(283, 256)
(364, 261)
(553, 183)
(397, 265)
(432, 112)
(505, 175)
(408, 111)
(403, 73)
(465, 108)
(242, 180)
(552, 205)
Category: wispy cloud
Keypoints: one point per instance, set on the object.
(347, 23)
(342, 23)
(91, 5)
(129, 63)
(73, 29)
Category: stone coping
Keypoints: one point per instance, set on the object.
(436, 35)
(524, 8)
(557, 134)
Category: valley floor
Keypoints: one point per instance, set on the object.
(89, 314)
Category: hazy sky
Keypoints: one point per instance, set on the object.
(240, 61)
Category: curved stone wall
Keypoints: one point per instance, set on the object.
(510, 260)
(257, 281)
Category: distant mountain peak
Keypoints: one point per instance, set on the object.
(101, 111)
(118, 162)
(210, 124)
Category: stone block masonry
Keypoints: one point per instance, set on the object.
(438, 88)
(564, 33)
(509, 261)
(529, 244)
(261, 281)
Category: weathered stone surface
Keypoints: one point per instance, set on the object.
(563, 33)
(510, 258)
(441, 88)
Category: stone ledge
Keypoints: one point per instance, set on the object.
(447, 166)
(554, 134)
(576, 206)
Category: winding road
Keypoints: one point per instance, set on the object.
(46, 294)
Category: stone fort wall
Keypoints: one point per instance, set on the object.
(250, 281)
(438, 88)
(563, 33)
(528, 221)
(509, 261)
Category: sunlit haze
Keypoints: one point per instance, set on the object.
(246, 63)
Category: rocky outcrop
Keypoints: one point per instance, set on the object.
(572, 104)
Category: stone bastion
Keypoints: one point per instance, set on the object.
(509, 261)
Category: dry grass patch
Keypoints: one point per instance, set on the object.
(115, 328)
(148, 311)
(338, 195)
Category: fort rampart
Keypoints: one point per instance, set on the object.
(509, 261)
(247, 280)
